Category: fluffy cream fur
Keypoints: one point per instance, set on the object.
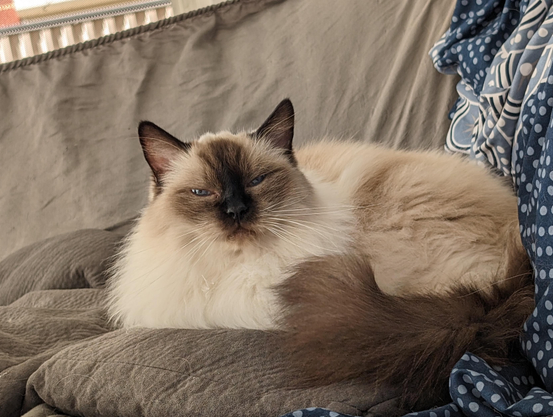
(428, 221)
(170, 274)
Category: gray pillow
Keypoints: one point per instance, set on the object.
(73, 260)
(171, 372)
(35, 327)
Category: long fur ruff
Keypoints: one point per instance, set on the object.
(341, 326)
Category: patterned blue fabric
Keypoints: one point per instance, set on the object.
(504, 119)
(495, 55)
(503, 51)
(315, 412)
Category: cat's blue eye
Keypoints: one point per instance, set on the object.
(257, 181)
(201, 193)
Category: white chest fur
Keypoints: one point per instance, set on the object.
(162, 287)
(159, 281)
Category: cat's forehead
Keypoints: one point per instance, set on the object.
(240, 138)
(224, 149)
(215, 156)
(241, 151)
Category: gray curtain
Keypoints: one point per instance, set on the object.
(69, 155)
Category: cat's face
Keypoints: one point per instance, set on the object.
(236, 188)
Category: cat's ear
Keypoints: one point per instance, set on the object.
(160, 149)
(278, 129)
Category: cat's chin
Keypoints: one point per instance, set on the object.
(241, 234)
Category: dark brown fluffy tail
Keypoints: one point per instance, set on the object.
(341, 326)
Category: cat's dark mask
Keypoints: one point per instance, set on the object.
(232, 177)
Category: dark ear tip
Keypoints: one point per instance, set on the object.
(144, 125)
(286, 103)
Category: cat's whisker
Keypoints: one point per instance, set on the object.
(153, 247)
(322, 218)
(290, 201)
(300, 220)
(484, 288)
(310, 211)
(196, 248)
(280, 236)
(322, 209)
(302, 223)
(271, 206)
(300, 239)
(306, 243)
(191, 242)
(337, 207)
(303, 216)
(195, 230)
(212, 241)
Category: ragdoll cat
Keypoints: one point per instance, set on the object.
(378, 263)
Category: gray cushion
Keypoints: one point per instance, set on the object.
(73, 260)
(188, 373)
(33, 329)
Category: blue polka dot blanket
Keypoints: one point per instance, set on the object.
(503, 51)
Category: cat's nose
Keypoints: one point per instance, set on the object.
(237, 210)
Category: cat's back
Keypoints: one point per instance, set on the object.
(331, 159)
(424, 179)
(432, 211)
